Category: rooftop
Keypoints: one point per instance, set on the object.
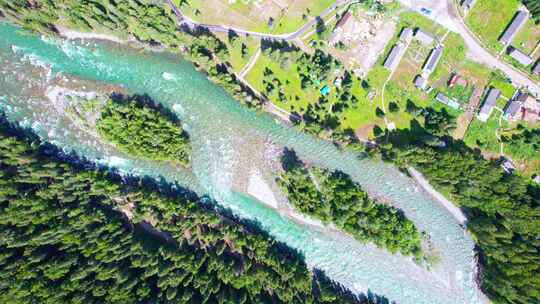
(489, 103)
(526, 98)
(508, 166)
(457, 79)
(420, 82)
(447, 101)
(433, 59)
(406, 34)
(468, 4)
(325, 90)
(514, 27)
(392, 60)
(423, 37)
(344, 19)
(536, 69)
(512, 109)
(521, 57)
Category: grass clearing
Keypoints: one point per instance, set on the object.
(489, 18)
(297, 98)
(268, 16)
(414, 19)
(236, 58)
(528, 38)
(478, 74)
(482, 134)
(506, 88)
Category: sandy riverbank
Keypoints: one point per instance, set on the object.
(71, 34)
(448, 205)
(259, 189)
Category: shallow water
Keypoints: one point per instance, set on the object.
(227, 141)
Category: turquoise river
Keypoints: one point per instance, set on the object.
(231, 143)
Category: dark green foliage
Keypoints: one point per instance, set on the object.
(138, 129)
(503, 212)
(379, 112)
(316, 68)
(393, 107)
(534, 7)
(323, 32)
(281, 51)
(413, 109)
(341, 46)
(524, 143)
(62, 240)
(438, 123)
(333, 197)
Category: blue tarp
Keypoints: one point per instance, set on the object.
(325, 90)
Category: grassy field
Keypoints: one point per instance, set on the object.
(289, 77)
(414, 19)
(526, 156)
(236, 59)
(507, 89)
(527, 39)
(287, 15)
(478, 74)
(482, 134)
(489, 18)
(297, 99)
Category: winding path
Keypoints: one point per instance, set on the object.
(251, 63)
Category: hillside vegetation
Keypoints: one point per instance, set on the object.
(534, 7)
(141, 130)
(64, 240)
(333, 197)
(503, 212)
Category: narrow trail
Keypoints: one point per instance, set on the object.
(497, 135)
(448, 205)
(250, 63)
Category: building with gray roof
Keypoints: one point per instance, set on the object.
(512, 110)
(536, 69)
(508, 165)
(406, 34)
(467, 5)
(489, 103)
(394, 57)
(514, 27)
(447, 101)
(424, 37)
(420, 82)
(344, 19)
(521, 57)
(433, 60)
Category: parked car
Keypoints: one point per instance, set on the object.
(425, 11)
